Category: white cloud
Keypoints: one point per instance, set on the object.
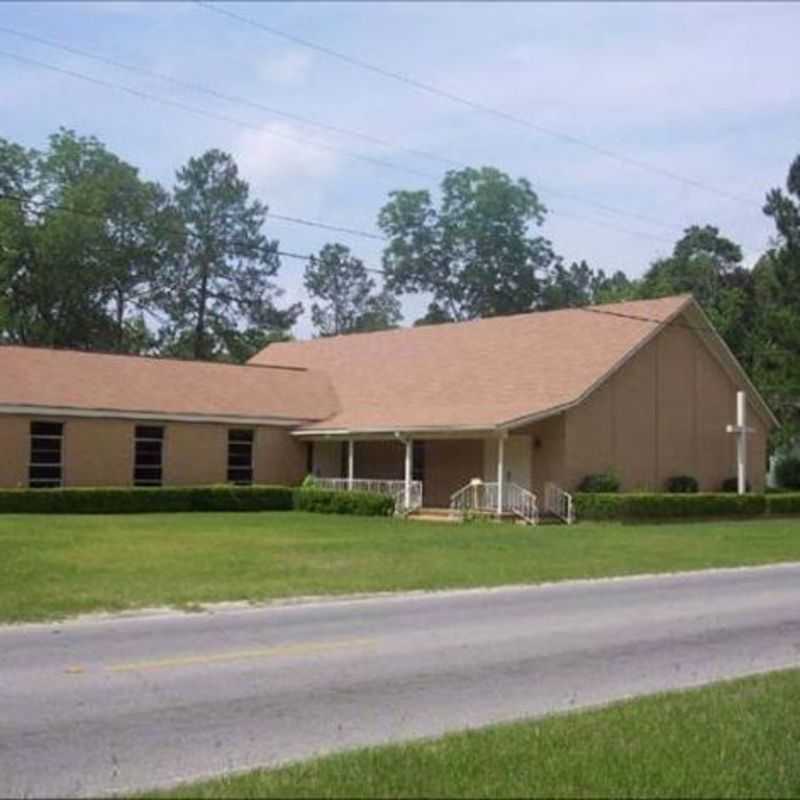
(289, 69)
(272, 156)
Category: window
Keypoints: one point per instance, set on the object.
(46, 469)
(148, 455)
(240, 456)
(418, 462)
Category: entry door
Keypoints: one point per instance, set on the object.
(517, 459)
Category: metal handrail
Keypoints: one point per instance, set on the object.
(481, 496)
(559, 503)
(395, 489)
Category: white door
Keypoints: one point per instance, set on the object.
(517, 459)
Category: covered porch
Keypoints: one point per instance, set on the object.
(503, 474)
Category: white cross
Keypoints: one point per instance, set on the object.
(741, 430)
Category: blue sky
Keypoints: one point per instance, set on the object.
(708, 91)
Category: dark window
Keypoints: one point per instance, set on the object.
(309, 458)
(148, 455)
(240, 457)
(45, 469)
(418, 462)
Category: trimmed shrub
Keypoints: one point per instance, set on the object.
(362, 504)
(602, 482)
(653, 506)
(139, 501)
(682, 484)
(786, 503)
(732, 485)
(787, 472)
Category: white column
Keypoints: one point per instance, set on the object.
(741, 441)
(408, 472)
(351, 462)
(501, 467)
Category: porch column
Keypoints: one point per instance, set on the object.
(409, 466)
(351, 462)
(501, 465)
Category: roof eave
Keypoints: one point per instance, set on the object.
(27, 409)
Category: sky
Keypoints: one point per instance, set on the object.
(671, 114)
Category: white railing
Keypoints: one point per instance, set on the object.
(480, 496)
(559, 503)
(390, 488)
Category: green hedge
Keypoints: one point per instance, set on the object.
(326, 502)
(640, 506)
(786, 503)
(136, 501)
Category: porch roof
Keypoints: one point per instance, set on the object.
(481, 375)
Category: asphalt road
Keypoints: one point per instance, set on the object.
(112, 705)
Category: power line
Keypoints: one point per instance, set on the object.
(283, 218)
(214, 115)
(196, 87)
(242, 101)
(678, 324)
(382, 272)
(474, 105)
(224, 118)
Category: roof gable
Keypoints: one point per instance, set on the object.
(478, 375)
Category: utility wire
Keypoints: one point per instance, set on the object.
(43, 207)
(233, 121)
(382, 272)
(270, 215)
(214, 115)
(475, 105)
(211, 92)
(302, 257)
(679, 324)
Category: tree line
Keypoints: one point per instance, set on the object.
(92, 256)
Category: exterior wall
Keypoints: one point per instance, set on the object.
(14, 451)
(327, 459)
(384, 460)
(449, 464)
(546, 453)
(100, 452)
(663, 414)
(279, 457)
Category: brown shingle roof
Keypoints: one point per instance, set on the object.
(73, 380)
(478, 374)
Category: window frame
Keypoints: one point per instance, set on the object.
(250, 469)
(148, 483)
(46, 483)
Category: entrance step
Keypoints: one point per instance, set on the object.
(434, 515)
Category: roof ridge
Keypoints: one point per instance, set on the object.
(476, 320)
(149, 357)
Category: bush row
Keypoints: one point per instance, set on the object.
(193, 498)
(641, 506)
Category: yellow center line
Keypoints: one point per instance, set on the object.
(299, 649)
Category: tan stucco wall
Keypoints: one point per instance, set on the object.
(14, 451)
(327, 459)
(384, 460)
(279, 457)
(99, 452)
(662, 414)
(449, 464)
(548, 440)
(194, 454)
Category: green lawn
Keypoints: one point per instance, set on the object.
(738, 739)
(60, 565)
